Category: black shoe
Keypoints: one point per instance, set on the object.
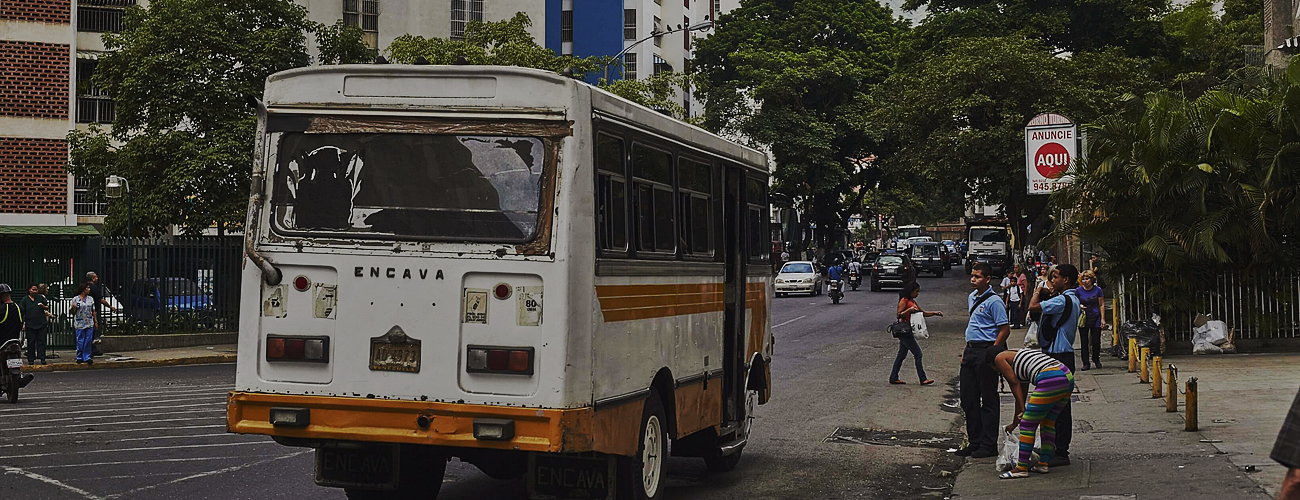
(1058, 462)
(80, 361)
(90, 361)
(966, 452)
(1085, 368)
(984, 453)
(1097, 362)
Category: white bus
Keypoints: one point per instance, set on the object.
(503, 265)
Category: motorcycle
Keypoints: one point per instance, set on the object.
(855, 280)
(12, 377)
(836, 291)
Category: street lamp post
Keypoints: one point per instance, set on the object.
(114, 186)
(706, 24)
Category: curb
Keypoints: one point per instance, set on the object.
(135, 363)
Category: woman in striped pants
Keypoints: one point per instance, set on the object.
(1053, 384)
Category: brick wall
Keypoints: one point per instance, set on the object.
(41, 11)
(34, 79)
(32, 176)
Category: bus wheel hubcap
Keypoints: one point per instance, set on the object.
(652, 456)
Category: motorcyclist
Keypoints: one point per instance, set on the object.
(836, 272)
(855, 267)
(11, 324)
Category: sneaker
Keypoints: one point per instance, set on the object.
(1058, 462)
(966, 452)
(983, 453)
(1014, 474)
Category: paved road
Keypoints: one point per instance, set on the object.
(159, 433)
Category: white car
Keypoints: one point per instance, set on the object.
(799, 277)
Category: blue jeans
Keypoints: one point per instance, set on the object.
(84, 337)
(906, 344)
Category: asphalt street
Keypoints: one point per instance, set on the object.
(835, 428)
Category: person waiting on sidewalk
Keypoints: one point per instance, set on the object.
(1042, 290)
(907, 306)
(1056, 334)
(35, 307)
(84, 318)
(1015, 290)
(986, 336)
(1094, 302)
(1053, 383)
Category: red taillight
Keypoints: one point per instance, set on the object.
(301, 283)
(501, 291)
(294, 348)
(274, 348)
(287, 348)
(507, 360)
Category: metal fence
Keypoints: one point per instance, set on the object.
(26, 263)
(1258, 306)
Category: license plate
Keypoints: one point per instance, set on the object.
(14, 363)
(395, 352)
(560, 476)
(372, 466)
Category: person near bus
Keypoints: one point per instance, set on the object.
(84, 319)
(35, 307)
(907, 306)
(986, 336)
(11, 319)
(1057, 331)
(1039, 411)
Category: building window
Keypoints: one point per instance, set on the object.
(93, 104)
(686, 3)
(659, 39)
(629, 66)
(629, 24)
(363, 14)
(462, 12)
(102, 19)
(566, 26)
(83, 203)
(686, 33)
(661, 66)
(715, 9)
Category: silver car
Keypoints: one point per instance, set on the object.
(799, 277)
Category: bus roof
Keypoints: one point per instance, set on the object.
(471, 88)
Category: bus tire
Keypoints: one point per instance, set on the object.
(420, 477)
(641, 477)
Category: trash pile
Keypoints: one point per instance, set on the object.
(1147, 333)
(1211, 336)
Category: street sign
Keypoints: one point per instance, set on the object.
(1051, 147)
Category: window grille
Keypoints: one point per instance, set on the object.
(566, 26)
(462, 12)
(363, 14)
(629, 24)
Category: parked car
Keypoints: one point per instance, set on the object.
(151, 297)
(928, 256)
(799, 276)
(892, 269)
(954, 253)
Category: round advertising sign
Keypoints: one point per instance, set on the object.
(1052, 160)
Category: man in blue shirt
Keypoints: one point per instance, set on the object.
(986, 336)
(1058, 327)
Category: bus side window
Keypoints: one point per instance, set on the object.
(653, 201)
(695, 187)
(611, 195)
(756, 199)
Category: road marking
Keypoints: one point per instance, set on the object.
(126, 430)
(147, 448)
(788, 322)
(117, 398)
(119, 422)
(147, 438)
(112, 409)
(102, 391)
(131, 462)
(155, 400)
(211, 473)
(50, 480)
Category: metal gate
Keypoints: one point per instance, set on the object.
(42, 262)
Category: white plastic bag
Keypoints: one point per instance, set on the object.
(1008, 451)
(919, 331)
(1031, 336)
(1212, 332)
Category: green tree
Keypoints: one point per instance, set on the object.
(1211, 44)
(791, 76)
(339, 43)
(1064, 25)
(181, 73)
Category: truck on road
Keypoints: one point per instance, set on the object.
(990, 242)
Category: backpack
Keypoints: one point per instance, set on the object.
(1047, 337)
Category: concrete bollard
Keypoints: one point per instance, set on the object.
(1144, 372)
(1157, 388)
(1171, 399)
(1132, 355)
(1191, 405)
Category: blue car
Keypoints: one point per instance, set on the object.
(152, 297)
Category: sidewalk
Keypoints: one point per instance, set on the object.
(1127, 447)
(223, 353)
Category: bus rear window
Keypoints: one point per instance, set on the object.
(423, 186)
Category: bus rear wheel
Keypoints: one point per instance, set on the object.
(420, 477)
(641, 477)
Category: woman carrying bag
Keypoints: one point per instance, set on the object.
(902, 330)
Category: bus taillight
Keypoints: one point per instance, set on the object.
(287, 348)
(493, 359)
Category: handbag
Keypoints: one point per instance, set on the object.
(900, 329)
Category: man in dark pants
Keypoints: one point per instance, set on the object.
(97, 294)
(34, 308)
(986, 336)
(1058, 328)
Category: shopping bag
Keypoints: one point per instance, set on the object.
(1031, 337)
(919, 330)
(1008, 451)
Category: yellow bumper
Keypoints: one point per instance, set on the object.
(393, 421)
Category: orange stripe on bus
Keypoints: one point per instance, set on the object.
(632, 302)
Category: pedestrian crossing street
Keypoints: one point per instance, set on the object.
(145, 440)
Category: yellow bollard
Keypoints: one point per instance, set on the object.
(1144, 373)
(1132, 355)
(1157, 388)
(1171, 399)
(1191, 405)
